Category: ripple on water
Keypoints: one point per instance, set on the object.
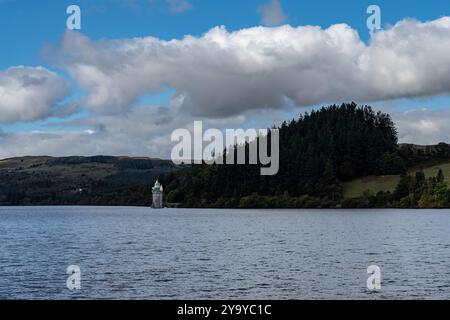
(139, 253)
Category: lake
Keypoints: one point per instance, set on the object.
(142, 253)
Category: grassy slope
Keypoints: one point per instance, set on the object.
(356, 188)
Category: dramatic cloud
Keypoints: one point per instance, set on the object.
(28, 94)
(227, 79)
(272, 13)
(226, 73)
(179, 6)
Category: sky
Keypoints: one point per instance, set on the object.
(139, 69)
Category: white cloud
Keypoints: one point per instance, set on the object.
(227, 73)
(272, 13)
(226, 78)
(423, 126)
(29, 93)
(136, 134)
(143, 131)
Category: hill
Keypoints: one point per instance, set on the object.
(318, 152)
(98, 180)
(338, 156)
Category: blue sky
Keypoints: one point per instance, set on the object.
(26, 27)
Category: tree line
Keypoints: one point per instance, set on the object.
(319, 151)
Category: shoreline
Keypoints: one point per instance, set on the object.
(208, 208)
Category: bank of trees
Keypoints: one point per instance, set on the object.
(318, 152)
(412, 191)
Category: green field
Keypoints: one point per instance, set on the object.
(374, 184)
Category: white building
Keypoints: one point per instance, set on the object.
(157, 191)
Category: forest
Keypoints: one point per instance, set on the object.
(320, 152)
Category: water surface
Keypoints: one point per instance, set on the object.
(141, 253)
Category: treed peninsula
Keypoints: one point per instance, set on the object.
(336, 157)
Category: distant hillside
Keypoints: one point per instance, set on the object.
(98, 180)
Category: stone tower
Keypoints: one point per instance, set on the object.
(157, 191)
